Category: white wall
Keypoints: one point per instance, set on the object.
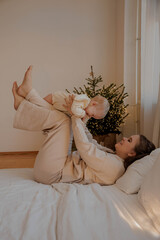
(120, 8)
(61, 39)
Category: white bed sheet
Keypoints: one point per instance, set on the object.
(33, 211)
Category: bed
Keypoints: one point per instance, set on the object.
(127, 210)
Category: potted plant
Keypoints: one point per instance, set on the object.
(105, 130)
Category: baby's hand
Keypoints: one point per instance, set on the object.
(85, 118)
(69, 102)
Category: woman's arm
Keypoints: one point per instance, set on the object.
(105, 166)
(92, 140)
(90, 153)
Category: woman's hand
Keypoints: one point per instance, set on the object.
(68, 104)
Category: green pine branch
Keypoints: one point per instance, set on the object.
(115, 96)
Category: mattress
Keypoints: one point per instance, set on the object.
(34, 211)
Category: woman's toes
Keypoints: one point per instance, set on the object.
(14, 88)
(26, 85)
(17, 99)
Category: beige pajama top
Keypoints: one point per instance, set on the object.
(90, 164)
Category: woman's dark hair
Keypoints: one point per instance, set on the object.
(145, 147)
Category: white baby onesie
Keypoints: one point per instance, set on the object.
(79, 104)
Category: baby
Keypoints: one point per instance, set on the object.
(82, 105)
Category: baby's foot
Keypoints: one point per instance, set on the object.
(26, 85)
(17, 99)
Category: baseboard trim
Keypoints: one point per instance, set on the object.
(18, 153)
(17, 159)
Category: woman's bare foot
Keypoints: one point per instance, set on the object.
(17, 99)
(26, 85)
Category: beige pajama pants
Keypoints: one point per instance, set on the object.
(35, 114)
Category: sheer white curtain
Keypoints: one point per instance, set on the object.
(150, 64)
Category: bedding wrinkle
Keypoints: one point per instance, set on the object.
(29, 212)
(56, 216)
(65, 211)
(136, 222)
(136, 219)
(64, 189)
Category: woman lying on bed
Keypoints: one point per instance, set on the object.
(91, 163)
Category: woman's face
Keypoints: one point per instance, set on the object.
(125, 148)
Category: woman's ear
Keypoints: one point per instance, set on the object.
(132, 154)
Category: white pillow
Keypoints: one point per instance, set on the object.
(132, 179)
(149, 194)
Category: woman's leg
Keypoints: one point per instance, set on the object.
(25, 90)
(35, 98)
(54, 150)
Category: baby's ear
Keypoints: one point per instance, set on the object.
(94, 103)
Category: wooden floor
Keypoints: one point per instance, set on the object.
(17, 160)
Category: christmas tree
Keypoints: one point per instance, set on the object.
(115, 95)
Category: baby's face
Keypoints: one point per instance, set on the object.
(92, 111)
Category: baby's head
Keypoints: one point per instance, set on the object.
(98, 107)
